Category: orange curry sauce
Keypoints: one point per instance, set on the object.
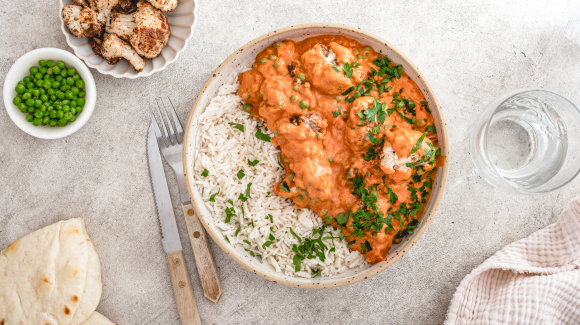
(356, 136)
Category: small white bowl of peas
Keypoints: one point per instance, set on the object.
(49, 93)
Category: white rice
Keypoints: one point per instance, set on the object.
(223, 151)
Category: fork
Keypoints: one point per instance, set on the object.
(172, 151)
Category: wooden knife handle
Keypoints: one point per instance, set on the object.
(182, 289)
(212, 288)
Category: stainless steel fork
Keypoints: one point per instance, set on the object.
(172, 151)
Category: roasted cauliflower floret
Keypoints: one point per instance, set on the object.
(367, 118)
(81, 22)
(323, 71)
(164, 5)
(114, 49)
(103, 9)
(125, 6)
(146, 29)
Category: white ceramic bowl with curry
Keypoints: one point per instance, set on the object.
(417, 126)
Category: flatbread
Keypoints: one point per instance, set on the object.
(46, 276)
(98, 319)
(93, 288)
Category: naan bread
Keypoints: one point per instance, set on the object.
(97, 319)
(50, 277)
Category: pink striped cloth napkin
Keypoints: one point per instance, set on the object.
(535, 280)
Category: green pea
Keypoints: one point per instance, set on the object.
(46, 85)
(50, 108)
(360, 57)
(61, 65)
(52, 123)
(45, 120)
(59, 114)
(82, 94)
(29, 85)
(20, 83)
(356, 95)
(68, 115)
(20, 89)
(31, 109)
(51, 92)
(296, 87)
(294, 98)
(65, 102)
(76, 76)
(21, 106)
(271, 57)
(38, 113)
(41, 91)
(75, 90)
(46, 77)
(27, 79)
(50, 63)
(304, 104)
(71, 71)
(65, 88)
(264, 60)
(62, 122)
(56, 84)
(60, 95)
(49, 71)
(29, 117)
(30, 102)
(44, 98)
(301, 76)
(38, 83)
(70, 81)
(35, 92)
(37, 103)
(368, 48)
(52, 114)
(278, 44)
(56, 70)
(63, 73)
(38, 75)
(79, 110)
(73, 104)
(42, 70)
(42, 63)
(275, 65)
(280, 104)
(66, 108)
(33, 70)
(26, 96)
(80, 84)
(58, 78)
(73, 111)
(52, 98)
(17, 100)
(72, 119)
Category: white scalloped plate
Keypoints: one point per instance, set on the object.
(181, 21)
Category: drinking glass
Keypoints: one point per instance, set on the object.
(527, 142)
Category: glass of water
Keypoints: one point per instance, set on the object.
(527, 142)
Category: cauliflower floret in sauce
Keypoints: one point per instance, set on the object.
(323, 71)
(400, 150)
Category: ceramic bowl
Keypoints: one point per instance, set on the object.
(245, 55)
(181, 21)
(20, 69)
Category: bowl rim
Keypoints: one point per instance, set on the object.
(443, 137)
(67, 36)
(39, 131)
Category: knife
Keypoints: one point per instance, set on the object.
(170, 236)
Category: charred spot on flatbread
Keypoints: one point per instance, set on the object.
(75, 298)
(66, 310)
(12, 248)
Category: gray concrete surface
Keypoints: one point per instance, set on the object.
(471, 51)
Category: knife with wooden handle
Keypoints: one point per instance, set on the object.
(170, 236)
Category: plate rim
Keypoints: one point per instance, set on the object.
(442, 135)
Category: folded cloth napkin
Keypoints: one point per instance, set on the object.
(535, 280)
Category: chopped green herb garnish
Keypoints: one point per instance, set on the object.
(284, 187)
(253, 163)
(248, 194)
(419, 143)
(431, 128)
(205, 173)
(237, 126)
(212, 197)
(241, 174)
(336, 113)
(262, 136)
